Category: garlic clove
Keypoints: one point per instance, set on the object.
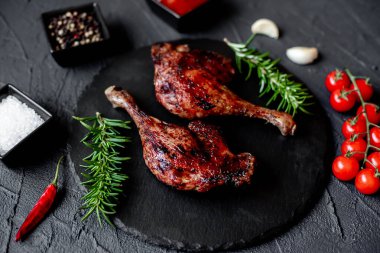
(302, 55)
(266, 27)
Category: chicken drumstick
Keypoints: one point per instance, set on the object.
(192, 158)
(191, 84)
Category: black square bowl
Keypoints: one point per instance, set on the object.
(82, 53)
(19, 148)
(193, 20)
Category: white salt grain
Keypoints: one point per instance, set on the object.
(17, 120)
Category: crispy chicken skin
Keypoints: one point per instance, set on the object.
(192, 84)
(187, 158)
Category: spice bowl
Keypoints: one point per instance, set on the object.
(183, 15)
(8, 91)
(76, 34)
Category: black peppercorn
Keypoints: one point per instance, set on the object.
(74, 28)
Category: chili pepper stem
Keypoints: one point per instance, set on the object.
(56, 172)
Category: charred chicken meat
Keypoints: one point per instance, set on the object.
(192, 84)
(187, 158)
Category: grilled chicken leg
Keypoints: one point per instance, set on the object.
(192, 158)
(191, 84)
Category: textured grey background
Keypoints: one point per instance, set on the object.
(347, 34)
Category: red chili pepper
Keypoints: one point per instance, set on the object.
(41, 207)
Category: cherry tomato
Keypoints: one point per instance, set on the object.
(374, 136)
(342, 101)
(365, 89)
(366, 182)
(354, 126)
(337, 80)
(357, 147)
(345, 168)
(373, 113)
(374, 159)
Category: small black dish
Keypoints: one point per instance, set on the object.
(7, 90)
(186, 22)
(81, 53)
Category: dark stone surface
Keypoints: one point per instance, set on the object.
(347, 34)
(282, 189)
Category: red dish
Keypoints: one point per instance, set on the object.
(183, 7)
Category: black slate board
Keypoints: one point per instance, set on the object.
(290, 175)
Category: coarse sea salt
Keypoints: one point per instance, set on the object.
(17, 120)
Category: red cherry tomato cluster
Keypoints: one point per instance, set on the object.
(358, 131)
(343, 94)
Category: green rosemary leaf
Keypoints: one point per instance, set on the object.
(238, 63)
(117, 139)
(293, 96)
(92, 209)
(121, 158)
(249, 74)
(98, 216)
(104, 178)
(84, 118)
(116, 145)
(109, 204)
(107, 219)
(116, 189)
(117, 124)
(86, 125)
(105, 211)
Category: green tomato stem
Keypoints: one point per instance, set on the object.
(368, 124)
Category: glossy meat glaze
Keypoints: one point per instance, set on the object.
(187, 158)
(192, 84)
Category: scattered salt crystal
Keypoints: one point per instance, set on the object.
(17, 120)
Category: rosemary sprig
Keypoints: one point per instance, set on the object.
(103, 171)
(294, 97)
